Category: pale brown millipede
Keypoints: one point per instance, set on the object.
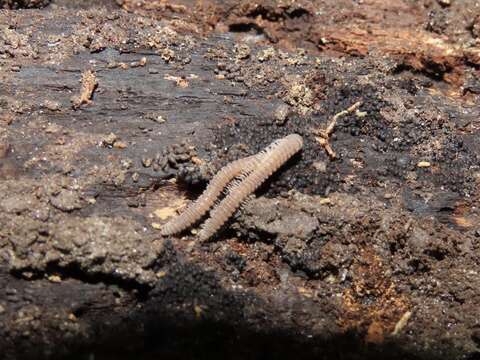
(250, 173)
(198, 208)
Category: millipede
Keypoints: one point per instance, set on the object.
(240, 178)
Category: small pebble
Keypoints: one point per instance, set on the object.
(243, 51)
(55, 279)
(135, 177)
(325, 201)
(156, 226)
(52, 128)
(120, 144)
(147, 162)
(423, 164)
(126, 163)
(331, 279)
(161, 274)
(361, 114)
(110, 139)
(51, 105)
(160, 119)
(266, 54)
(281, 114)
(320, 166)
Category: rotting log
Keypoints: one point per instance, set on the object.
(110, 120)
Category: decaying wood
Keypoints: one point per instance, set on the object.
(373, 255)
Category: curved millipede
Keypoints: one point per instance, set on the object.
(248, 174)
(197, 209)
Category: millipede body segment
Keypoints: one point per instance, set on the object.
(197, 209)
(241, 178)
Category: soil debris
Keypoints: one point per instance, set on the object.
(367, 256)
(89, 84)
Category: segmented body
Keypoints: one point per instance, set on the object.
(199, 208)
(274, 157)
(247, 175)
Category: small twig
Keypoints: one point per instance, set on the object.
(323, 136)
(401, 323)
(326, 145)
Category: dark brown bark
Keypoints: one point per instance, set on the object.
(111, 118)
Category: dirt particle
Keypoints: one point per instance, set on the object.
(41, 213)
(53, 128)
(140, 63)
(51, 105)
(300, 96)
(96, 44)
(423, 164)
(16, 203)
(120, 145)
(266, 54)
(89, 84)
(155, 117)
(55, 279)
(320, 166)
(66, 200)
(7, 119)
(281, 114)
(325, 201)
(198, 309)
(167, 54)
(445, 2)
(242, 51)
(156, 226)
(126, 163)
(109, 140)
(181, 82)
(147, 162)
(135, 176)
(291, 223)
(475, 27)
(119, 65)
(169, 211)
(161, 274)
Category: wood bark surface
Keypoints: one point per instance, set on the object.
(114, 115)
